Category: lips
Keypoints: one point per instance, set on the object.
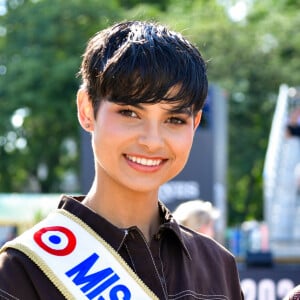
(149, 162)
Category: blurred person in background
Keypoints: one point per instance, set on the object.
(293, 124)
(198, 215)
(294, 294)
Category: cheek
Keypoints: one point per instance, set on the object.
(185, 140)
(104, 138)
(183, 146)
(107, 131)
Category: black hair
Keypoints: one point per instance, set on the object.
(139, 62)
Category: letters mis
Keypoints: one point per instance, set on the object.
(94, 284)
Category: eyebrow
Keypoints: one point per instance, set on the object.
(138, 105)
(181, 110)
(174, 110)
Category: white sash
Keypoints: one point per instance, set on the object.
(79, 262)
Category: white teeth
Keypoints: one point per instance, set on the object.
(144, 161)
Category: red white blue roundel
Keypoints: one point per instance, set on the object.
(56, 240)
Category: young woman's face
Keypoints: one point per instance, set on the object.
(141, 147)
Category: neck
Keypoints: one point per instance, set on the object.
(126, 208)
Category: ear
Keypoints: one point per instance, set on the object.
(85, 110)
(197, 119)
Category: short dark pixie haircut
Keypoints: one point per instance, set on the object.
(139, 62)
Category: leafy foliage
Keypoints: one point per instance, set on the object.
(42, 49)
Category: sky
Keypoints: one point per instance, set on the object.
(238, 11)
(2, 7)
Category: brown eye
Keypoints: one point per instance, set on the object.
(128, 113)
(176, 121)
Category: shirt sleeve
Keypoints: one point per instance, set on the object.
(21, 279)
(15, 282)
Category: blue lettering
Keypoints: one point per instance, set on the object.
(119, 289)
(103, 286)
(91, 280)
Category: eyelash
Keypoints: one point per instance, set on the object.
(176, 121)
(128, 113)
(172, 120)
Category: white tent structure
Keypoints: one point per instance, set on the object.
(281, 193)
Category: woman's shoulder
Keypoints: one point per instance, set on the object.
(20, 278)
(200, 244)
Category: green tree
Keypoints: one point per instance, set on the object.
(270, 58)
(41, 55)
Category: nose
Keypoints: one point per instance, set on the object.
(151, 136)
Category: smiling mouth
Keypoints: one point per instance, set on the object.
(144, 161)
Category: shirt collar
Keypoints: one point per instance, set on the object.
(112, 234)
(169, 223)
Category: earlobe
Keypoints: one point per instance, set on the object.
(85, 110)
